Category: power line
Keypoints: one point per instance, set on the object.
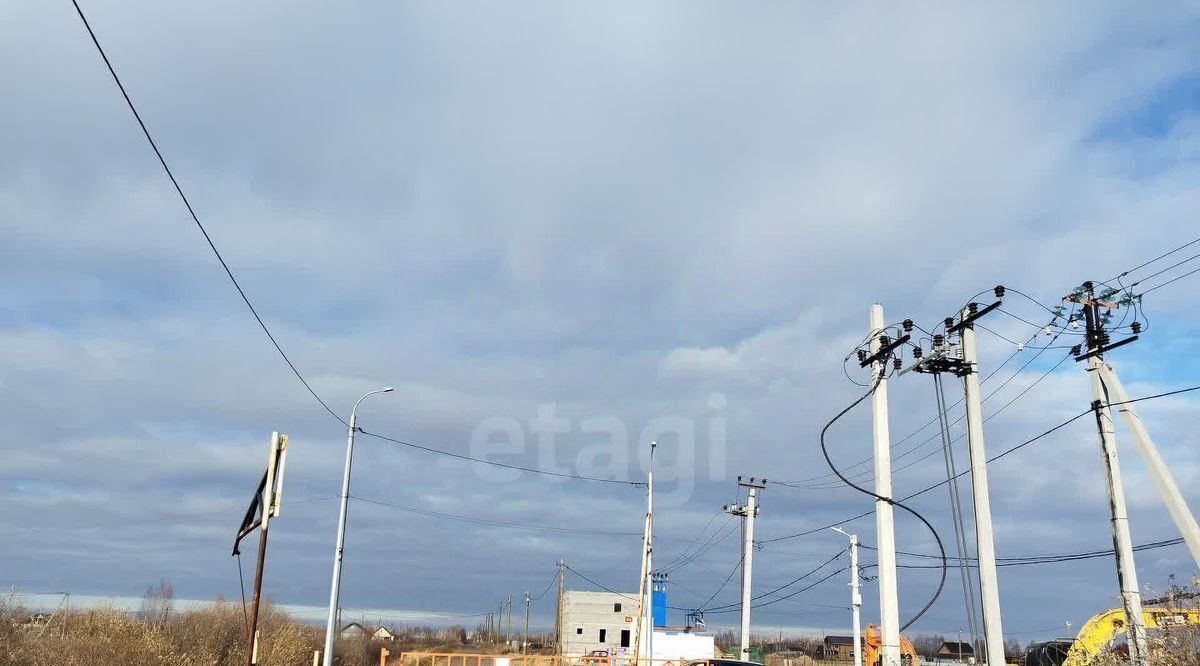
(490, 522)
(1158, 258)
(723, 584)
(553, 580)
(992, 459)
(192, 212)
(493, 463)
(603, 587)
(737, 607)
(1175, 279)
(792, 582)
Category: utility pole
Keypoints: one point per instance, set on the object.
(508, 622)
(1131, 599)
(525, 642)
(645, 634)
(855, 595)
(265, 504)
(558, 613)
(748, 513)
(335, 587)
(993, 632)
(885, 536)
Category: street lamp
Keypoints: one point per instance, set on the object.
(855, 596)
(335, 588)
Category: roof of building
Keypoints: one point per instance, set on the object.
(958, 648)
(839, 640)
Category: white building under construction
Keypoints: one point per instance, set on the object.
(607, 621)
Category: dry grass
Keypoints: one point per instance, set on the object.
(210, 636)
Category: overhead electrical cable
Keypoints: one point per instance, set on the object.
(493, 463)
(489, 522)
(195, 218)
(881, 498)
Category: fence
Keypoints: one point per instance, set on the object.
(472, 659)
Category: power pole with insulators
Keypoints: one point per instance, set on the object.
(885, 534)
(748, 512)
(263, 507)
(993, 632)
(1131, 598)
(508, 622)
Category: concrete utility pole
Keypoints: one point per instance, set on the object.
(525, 642)
(748, 513)
(649, 582)
(993, 632)
(508, 621)
(339, 547)
(558, 613)
(855, 595)
(885, 536)
(1159, 472)
(1131, 597)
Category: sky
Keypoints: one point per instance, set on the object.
(561, 231)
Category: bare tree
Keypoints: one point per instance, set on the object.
(158, 602)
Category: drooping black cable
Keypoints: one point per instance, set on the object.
(704, 606)
(188, 204)
(777, 590)
(548, 586)
(888, 500)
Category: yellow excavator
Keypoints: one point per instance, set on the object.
(873, 643)
(1100, 631)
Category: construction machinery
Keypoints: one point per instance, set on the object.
(873, 649)
(1098, 634)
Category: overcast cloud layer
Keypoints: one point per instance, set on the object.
(620, 212)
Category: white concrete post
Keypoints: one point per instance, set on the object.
(885, 537)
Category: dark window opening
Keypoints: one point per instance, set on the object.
(579, 631)
(624, 638)
(602, 633)
(617, 607)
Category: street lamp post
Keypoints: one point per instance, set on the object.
(855, 596)
(335, 588)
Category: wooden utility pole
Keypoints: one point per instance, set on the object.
(263, 507)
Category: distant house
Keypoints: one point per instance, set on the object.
(840, 648)
(955, 650)
(383, 634)
(353, 630)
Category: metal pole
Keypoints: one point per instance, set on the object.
(508, 622)
(985, 546)
(1159, 472)
(335, 587)
(885, 537)
(747, 566)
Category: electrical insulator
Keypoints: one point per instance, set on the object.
(917, 352)
(883, 341)
(1047, 330)
(1075, 350)
(939, 340)
(1075, 324)
(949, 322)
(1020, 347)
(1087, 286)
(862, 355)
(999, 291)
(1136, 327)
(908, 325)
(896, 363)
(973, 308)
